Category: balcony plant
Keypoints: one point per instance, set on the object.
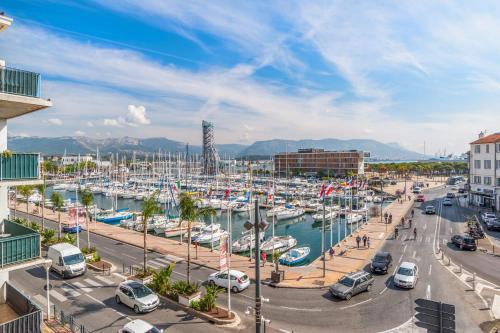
(6, 153)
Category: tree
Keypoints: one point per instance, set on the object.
(87, 199)
(191, 212)
(150, 207)
(42, 189)
(58, 202)
(26, 191)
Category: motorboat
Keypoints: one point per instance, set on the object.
(174, 229)
(241, 208)
(289, 212)
(274, 211)
(245, 242)
(212, 233)
(353, 218)
(328, 215)
(114, 217)
(294, 256)
(278, 244)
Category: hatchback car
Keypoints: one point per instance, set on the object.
(420, 198)
(239, 280)
(493, 224)
(430, 210)
(447, 202)
(464, 242)
(417, 190)
(352, 284)
(487, 216)
(407, 275)
(381, 262)
(139, 326)
(461, 190)
(137, 296)
(450, 195)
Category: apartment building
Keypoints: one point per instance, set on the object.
(484, 171)
(314, 161)
(19, 246)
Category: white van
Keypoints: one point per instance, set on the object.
(67, 260)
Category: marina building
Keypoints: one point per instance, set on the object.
(19, 246)
(484, 169)
(314, 161)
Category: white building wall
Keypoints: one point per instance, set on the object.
(482, 172)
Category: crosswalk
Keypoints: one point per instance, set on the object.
(162, 262)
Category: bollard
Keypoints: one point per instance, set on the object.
(442, 255)
(460, 268)
(474, 281)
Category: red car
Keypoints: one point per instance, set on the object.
(420, 198)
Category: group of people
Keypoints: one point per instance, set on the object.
(365, 239)
(410, 220)
(388, 217)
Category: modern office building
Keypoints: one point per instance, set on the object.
(313, 161)
(484, 171)
(19, 246)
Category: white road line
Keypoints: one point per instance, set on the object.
(425, 226)
(430, 269)
(414, 254)
(96, 300)
(69, 290)
(404, 249)
(61, 298)
(42, 300)
(82, 287)
(123, 277)
(381, 235)
(154, 264)
(163, 260)
(285, 331)
(383, 291)
(445, 241)
(428, 292)
(350, 306)
(495, 307)
(93, 283)
(297, 309)
(129, 256)
(103, 279)
(174, 258)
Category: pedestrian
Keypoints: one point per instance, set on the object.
(409, 198)
(410, 223)
(364, 241)
(263, 256)
(403, 221)
(368, 242)
(412, 213)
(332, 252)
(358, 239)
(390, 218)
(386, 216)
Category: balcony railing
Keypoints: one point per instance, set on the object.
(30, 315)
(19, 82)
(19, 167)
(18, 244)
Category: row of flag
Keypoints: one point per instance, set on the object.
(339, 186)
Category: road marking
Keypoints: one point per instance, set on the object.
(285, 331)
(425, 226)
(381, 235)
(163, 260)
(495, 307)
(383, 291)
(123, 277)
(68, 289)
(96, 300)
(154, 264)
(445, 241)
(404, 249)
(428, 292)
(82, 287)
(451, 230)
(103, 279)
(350, 306)
(414, 254)
(297, 309)
(430, 269)
(61, 298)
(42, 300)
(129, 256)
(93, 283)
(421, 239)
(174, 258)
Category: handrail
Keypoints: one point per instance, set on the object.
(19, 82)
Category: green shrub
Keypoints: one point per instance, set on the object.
(161, 280)
(207, 302)
(195, 305)
(183, 288)
(89, 250)
(48, 236)
(68, 238)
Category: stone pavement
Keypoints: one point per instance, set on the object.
(310, 276)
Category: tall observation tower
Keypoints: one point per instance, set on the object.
(210, 156)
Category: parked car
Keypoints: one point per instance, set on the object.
(352, 284)
(67, 260)
(464, 242)
(139, 326)
(393, 182)
(407, 275)
(450, 195)
(487, 216)
(136, 296)
(417, 190)
(239, 280)
(381, 262)
(493, 224)
(72, 229)
(461, 190)
(420, 198)
(430, 210)
(447, 202)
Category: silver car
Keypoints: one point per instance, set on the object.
(137, 296)
(352, 284)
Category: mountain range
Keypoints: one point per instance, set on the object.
(128, 145)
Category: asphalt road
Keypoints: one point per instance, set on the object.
(383, 308)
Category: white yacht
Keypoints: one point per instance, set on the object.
(213, 233)
(289, 212)
(328, 215)
(245, 242)
(278, 244)
(353, 218)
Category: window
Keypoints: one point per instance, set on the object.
(477, 164)
(498, 181)
(498, 164)
(477, 179)
(487, 180)
(487, 149)
(477, 149)
(487, 164)
(498, 147)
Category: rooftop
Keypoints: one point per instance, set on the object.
(492, 138)
(5, 21)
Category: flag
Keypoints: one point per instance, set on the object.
(322, 192)
(351, 182)
(178, 185)
(329, 190)
(226, 193)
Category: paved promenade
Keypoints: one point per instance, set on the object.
(310, 276)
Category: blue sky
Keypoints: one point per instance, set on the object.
(385, 70)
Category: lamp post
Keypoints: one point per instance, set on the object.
(47, 265)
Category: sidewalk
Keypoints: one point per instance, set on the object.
(310, 276)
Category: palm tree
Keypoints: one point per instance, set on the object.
(41, 189)
(87, 199)
(150, 207)
(26, 191)
(58, 202)
(190, 212)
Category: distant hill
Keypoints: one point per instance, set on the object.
(128, 145)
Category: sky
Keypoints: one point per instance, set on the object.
(393, 71)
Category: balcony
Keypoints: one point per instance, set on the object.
(18, 313)
(20, 169)
(18, 245)
(20, 92)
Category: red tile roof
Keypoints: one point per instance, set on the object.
(492, 138)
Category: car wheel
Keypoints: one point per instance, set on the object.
(136, 309)
(235, 289)
(369, 287)
(117, 299)
(461, 246)
(348, 296)
(211, 282)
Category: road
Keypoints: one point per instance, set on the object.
(383, 308)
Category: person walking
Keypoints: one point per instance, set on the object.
(396, 231)
(364, 241)
(263, 257)
(390, 218)
(332, 252)
(385, 217)
(410, 222)
(358, 240)
(412, 213)
(402, 221)
(368, 242)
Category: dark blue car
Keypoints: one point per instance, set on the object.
(72, 229)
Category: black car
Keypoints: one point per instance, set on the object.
(450, 195)
(381, 262)
(464, 242)
(461, 190)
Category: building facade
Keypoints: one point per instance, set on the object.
(484, 171)
(313, 161)
(19, 246)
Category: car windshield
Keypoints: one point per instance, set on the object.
(380, 259)
(469, 240)
(141, 291)
(346, 281)
(153, 330)
(73, 259)
(405, 271)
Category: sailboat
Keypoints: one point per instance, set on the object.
(278, 244)
(246, 241)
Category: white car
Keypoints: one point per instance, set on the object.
(137, 296)
(488, 216)
(139, 326)
(407, 275)
(417, 190)
(239, 280)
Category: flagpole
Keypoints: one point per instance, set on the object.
(323, 240)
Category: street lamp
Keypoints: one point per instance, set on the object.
(258, 224)
(47, 264)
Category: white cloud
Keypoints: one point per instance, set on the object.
(112, 122)
(55, 121)
(90, 124)
(79, 133)
(137, 116)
